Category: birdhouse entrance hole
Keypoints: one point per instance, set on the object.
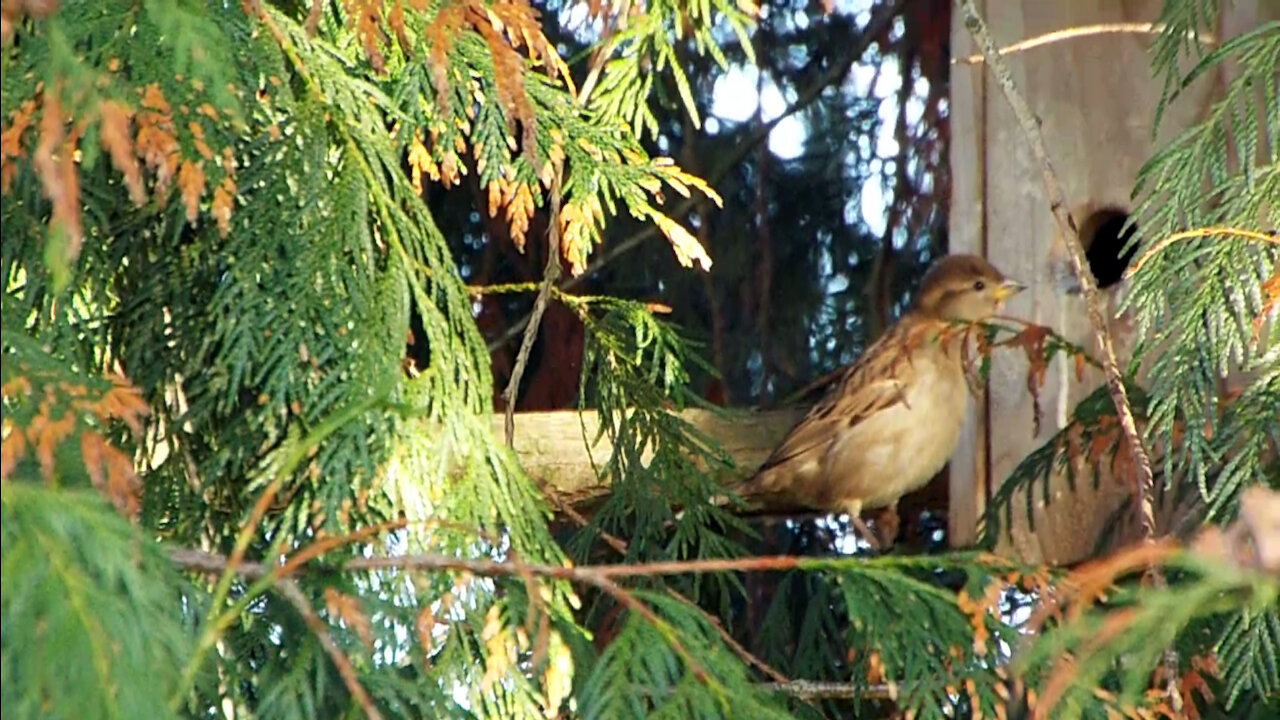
(1105, 234)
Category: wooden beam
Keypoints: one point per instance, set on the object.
(552, 446)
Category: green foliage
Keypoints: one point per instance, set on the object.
(1200, 303)
(673, 665)
(90, 612)
(635, 374)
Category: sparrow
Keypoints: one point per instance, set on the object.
(891, 420)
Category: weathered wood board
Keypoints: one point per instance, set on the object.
(1095, 96)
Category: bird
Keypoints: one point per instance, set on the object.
(891, 420)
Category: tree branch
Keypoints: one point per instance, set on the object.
(549, 277)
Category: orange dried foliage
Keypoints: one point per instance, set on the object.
(223, 201)
(423, 624)
(116, 137)
(1193, 681)
(448, 24)
(347, 609)
(45, 433)
(155, 141)
(577, 223)
(191, 183)
(54, 161)
(121, 484)
(978, 610)
(11, 142)
(1032, 341)
(366, 16)
(197, 139)
(395, 19)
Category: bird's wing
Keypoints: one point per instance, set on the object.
(875, 382)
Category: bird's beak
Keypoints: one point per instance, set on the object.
(1008, 289)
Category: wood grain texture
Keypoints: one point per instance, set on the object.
(1095, 97)
(552, 446)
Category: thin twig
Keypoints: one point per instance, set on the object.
(290, 592)
(549, 277)
(1078, 32)
(876, 27)
(1067, 227)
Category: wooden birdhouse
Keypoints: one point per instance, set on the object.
(1084, 69)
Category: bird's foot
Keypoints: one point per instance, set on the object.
(865, 532)
(888, 523)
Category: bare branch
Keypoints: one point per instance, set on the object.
(549, 277)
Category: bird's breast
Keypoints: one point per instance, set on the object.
(901, 448)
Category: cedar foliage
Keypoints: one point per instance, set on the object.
(215, 246)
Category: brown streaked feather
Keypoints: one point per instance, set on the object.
(867, 386)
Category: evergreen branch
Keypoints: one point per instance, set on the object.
(1057, 36)
(1199, 232)
(289, 591)
(1079, 263)
(550, 275)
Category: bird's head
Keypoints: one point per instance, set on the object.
(964, 287)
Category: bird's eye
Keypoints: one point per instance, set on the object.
(979, 285)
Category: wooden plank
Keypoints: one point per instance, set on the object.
(552, 446)
(1095, 97)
